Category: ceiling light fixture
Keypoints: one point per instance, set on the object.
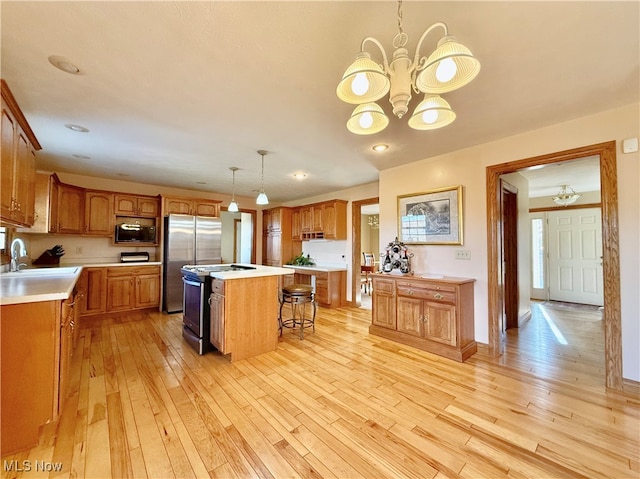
(449, 67)
(262, 196)
(374, 221)
(78, 128)
(299, 176)
(233, 206)
(380, 147)
(63, 64)
(564, 198)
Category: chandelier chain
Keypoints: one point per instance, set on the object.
(400, 40)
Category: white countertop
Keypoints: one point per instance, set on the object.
(317, 267)
(111, 265)
(250, 273)
(39, 284)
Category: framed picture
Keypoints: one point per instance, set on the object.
(432, 217)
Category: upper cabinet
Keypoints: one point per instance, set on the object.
(131, 205)
(174, 205)
(70, 210)
(17, 196)
(326, 220)
(98, 213)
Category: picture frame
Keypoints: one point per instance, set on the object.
(432, 217)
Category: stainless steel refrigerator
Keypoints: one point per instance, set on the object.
(187, 240)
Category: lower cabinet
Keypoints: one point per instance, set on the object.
(216, 303)
(330, 286)
(434, 315)
(133, 287)
(69, 328)
(119, 288)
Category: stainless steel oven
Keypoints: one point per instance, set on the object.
(195, 313)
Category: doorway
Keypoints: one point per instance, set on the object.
(356, 247)
(509, 253)
(610, 251)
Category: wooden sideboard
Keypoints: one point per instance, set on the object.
(435, 315)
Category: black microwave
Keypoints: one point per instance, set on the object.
(135, 233)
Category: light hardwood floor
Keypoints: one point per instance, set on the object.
(339, 404)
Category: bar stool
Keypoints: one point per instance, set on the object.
(297, 295)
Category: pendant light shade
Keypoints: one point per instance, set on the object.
(233, 206)
(367, 119)
(448, 68)
(564, 197)
(431, 113)
(363, 82)
(262, 196)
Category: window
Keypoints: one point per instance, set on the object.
(3, 239)
(537, 253)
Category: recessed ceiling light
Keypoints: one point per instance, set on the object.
(81, 157)
(380, 147)
(299, 176)
(77, 128)
(63, 64)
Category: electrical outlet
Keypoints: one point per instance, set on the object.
(78, 249)
(463, 254)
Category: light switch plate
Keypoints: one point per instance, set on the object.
(630, 145)
(463, 254)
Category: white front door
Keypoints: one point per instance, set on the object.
(575, 256)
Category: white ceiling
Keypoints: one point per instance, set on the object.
(175, 92)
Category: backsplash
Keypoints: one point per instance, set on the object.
(326, 253)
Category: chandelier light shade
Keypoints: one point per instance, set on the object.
(262, 196)
(449, 67)
(367, 119)
(374, 221)
(564, 197)
(431, 113)
(233, 206)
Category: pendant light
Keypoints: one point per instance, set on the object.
(564, 197)
(262, 196)
(233, 206)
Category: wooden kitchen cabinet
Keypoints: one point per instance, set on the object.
(132, 287)
(70, 211)
(278, 246)
(326, 220)
(93, 287)
(296, 225)
(45, 190)
(18, 146)
(68, 338)
(216, 303)
(98, 217)
(435, 315)
(330, 286)
(243, 316)
(132, 205)
(190, 206)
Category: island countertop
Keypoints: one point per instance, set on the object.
(40, 284)
(326, 269)
(259, 271)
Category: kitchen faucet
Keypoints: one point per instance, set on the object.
(16, 254)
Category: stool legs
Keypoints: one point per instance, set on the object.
(298, 313)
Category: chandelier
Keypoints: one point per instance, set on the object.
(448, 68)
(374, 221)
(564, 198)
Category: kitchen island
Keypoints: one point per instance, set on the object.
(244, 310)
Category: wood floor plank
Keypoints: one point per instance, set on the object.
(339, 404)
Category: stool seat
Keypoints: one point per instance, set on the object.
(297, 295)
(297, 289)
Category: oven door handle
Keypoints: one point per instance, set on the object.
(192, 283)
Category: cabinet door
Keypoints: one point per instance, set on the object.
(274, 249)
(7, 131)
(322, 288)
(147, 291)
(93, 287)
(25, 180)
(316, 217)
(275, 219)
(440, 323)
(126, 205)
(178, 206)
(54, 202)
(66, 348)
(306, 219)
(384, 310)
(148, 207)
(410, 316)
(206, 208)
(296, 225)
(120, 293)
(216, 315)
(98, 219)
(70, 209)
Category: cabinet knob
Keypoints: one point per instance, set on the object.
(438, 296)
(410, 292)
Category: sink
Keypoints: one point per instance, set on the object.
(40, 272)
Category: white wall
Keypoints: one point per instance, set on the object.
(467, 167)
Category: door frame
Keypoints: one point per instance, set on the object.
(356, 249)
(610, 249)
(509, 256)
